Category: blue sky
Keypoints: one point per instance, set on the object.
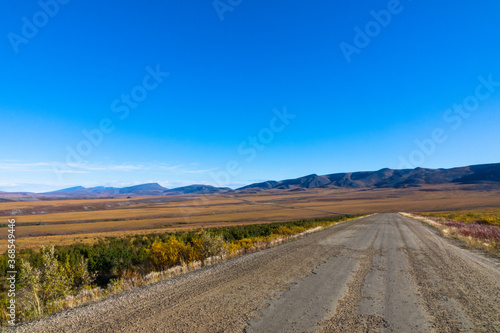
(254, 91)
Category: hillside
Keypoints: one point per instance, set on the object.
(150, 189)
(484, 177)
(484, 174)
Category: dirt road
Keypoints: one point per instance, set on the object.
(384, 273)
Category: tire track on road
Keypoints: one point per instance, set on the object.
(378, 273)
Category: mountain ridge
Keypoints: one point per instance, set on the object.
(485, 176)
(148, 189)
(388, 178)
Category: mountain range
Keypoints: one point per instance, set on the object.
(389, 178)
(150, 189)
(485, 175)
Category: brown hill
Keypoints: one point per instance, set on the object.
(486, 175)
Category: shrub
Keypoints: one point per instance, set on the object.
(79, 273)
(171, 253)
(211, 246)
(30, 299)
(233, 248)
(245, 244)
(42, 286)
(61, 276)
(298, 230)
(284, 231)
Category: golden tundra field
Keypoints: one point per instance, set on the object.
(59, 222)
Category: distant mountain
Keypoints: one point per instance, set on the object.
(481, 173)
(197, 189)
(310, 181)
(388, 178)
(101, 191)
(143, 189)
(70, 189)
(150, 189)
(483, 176)
(80, 191)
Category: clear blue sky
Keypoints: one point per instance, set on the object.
(359, 103)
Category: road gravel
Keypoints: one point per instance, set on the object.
(381, 273)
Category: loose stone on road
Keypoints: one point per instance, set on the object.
(381, 273)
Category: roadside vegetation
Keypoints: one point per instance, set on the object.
(478, 228)
(61, 277)
(489, 216)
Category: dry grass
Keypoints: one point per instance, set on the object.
(69, 221)
(42, 203)
(171, 256)
(482, 216)
(483, 236)
(35, 242)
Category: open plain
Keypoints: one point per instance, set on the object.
(62, 222)
(381, 273)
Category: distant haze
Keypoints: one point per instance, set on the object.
(485, 176)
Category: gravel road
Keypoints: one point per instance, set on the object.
(381, 273)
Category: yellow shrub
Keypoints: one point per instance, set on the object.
(284, 231)
(197, 248)
(171, 253)
(298, 230)
(271, 237)
(233, 248)
(245, 243)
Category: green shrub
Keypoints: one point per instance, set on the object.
(44, 285)
(211, 245)
(49, 275)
